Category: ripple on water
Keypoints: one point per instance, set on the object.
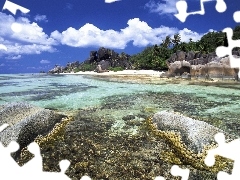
(71, 92)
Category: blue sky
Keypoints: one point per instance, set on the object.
(61, 31)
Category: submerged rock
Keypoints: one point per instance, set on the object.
(26, 122)
(195, 134)
(188, 140)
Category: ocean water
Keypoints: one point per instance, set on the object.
(216, 104)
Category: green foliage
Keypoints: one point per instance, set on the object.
(210, 41)
(76, 70)
(236, 34)
(115, 69)
(87, 67)
(152, 57)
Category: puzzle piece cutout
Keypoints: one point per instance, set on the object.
(229, 150)
(111, 1)
(16, 27)
(223, 51)
(177, 171)
(32, 169)
(236, 16)
(12, 7)
(85, 178)
(182, 9)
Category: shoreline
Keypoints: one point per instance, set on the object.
(124, 72)
(149, 77)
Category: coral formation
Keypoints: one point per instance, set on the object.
(181, 154)
(57, 134)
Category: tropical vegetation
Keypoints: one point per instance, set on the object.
(154, 57)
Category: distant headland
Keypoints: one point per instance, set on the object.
(175, 58)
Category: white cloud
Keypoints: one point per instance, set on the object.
(44, 62)
(1, 65)
(30, 40)
(41, 18)
(138, 32)
(14, 57)
(168, 7)
(33, 40)
(186, 34)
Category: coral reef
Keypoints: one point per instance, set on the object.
(57, 134)
(26, 122)
(181, 154)
(87, 140)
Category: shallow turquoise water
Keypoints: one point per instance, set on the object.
(73, 92)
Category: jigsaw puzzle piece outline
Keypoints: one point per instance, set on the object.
(228, 150)
(159, 178)
(7, 163)
(111, 1)
(30, 170)
(36, 162)
(221, 6)
(12, 7)
(182, 9)
(177, 171)
(85, 178)
(223, 51)
(236, 16)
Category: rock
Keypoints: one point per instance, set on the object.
(26, 122)
(100, 70)
(195, 134)
(225, 61)
(103, 54)
(178, 68)
(104, 64)
(114, 55)
(198, 55)
(235, 53)
(197, 70)
(93, 56)
(202, 60)
(128, 117)
(200, 65)
(165, 75)
(56, 69)
(178, 56)
(181, 55)
(190, 55)
(215, 69)
(186, 75)
(211, 57)
(104, 57)
(172, 59)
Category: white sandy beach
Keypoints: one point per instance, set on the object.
(124, 72)
(142, 76)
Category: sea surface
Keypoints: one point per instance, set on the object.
(218, 105)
